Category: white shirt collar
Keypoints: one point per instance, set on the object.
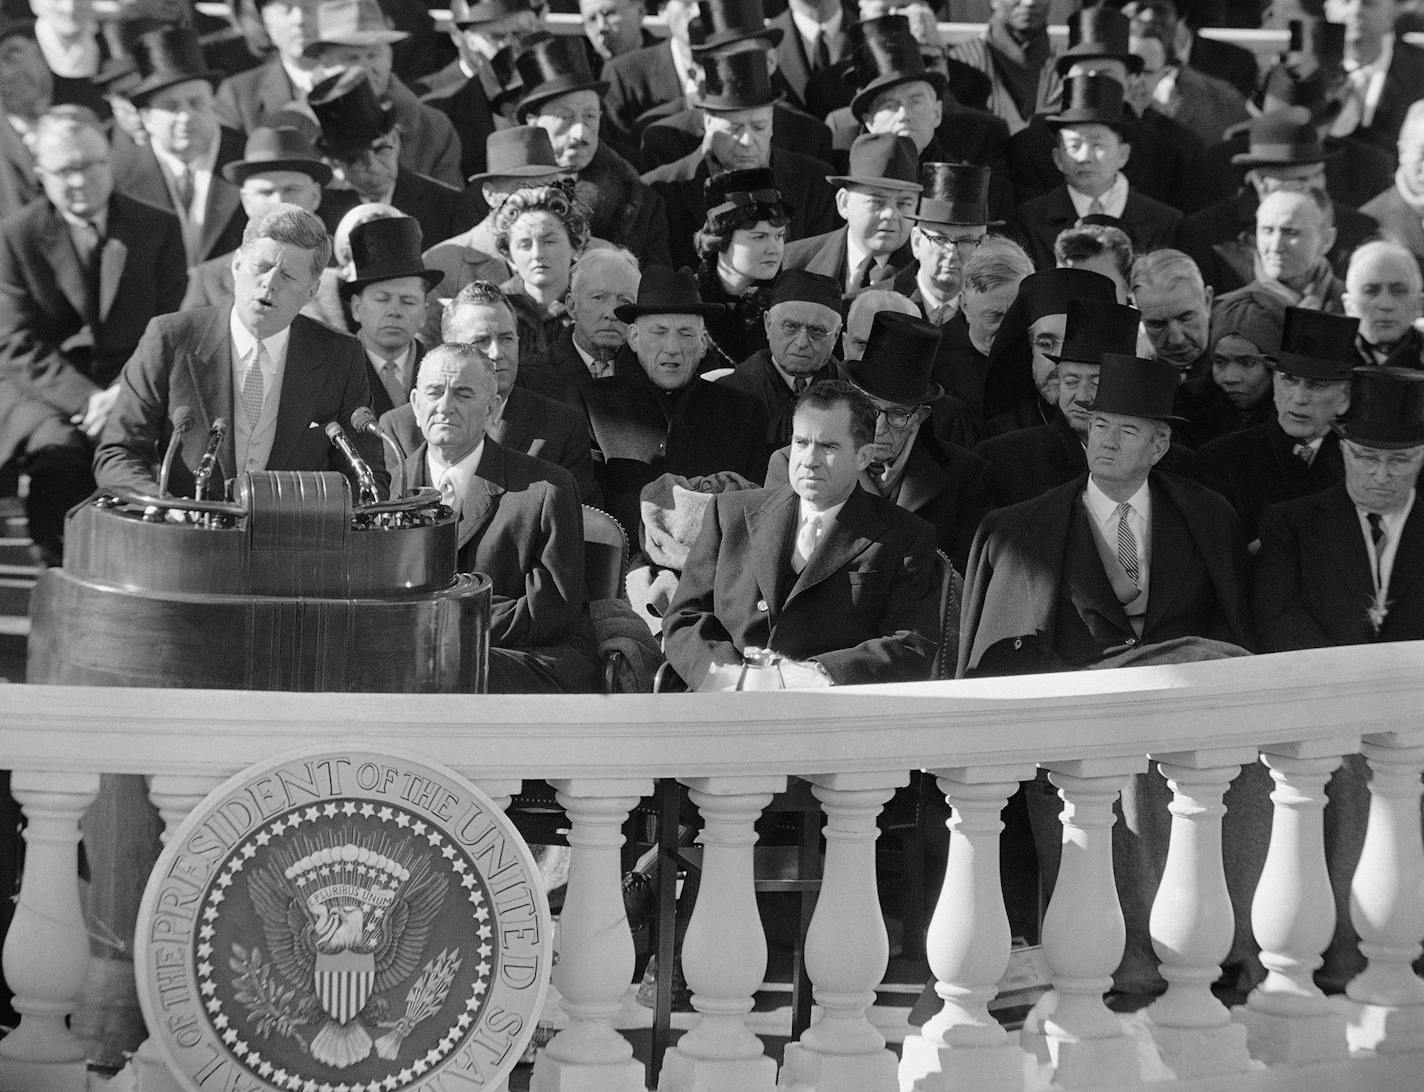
(1104, 508)
(809, 29)
(1114, 201)
(73, 59)
(828, 515)
(243, 340)
(175, 166)
(301, 79)
(461, 473)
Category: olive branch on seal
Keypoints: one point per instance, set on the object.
(423, 1001)
(268, 1004)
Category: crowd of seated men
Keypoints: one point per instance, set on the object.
(1127, 328)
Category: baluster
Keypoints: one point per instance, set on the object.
(595, 945)
(1192, 922)
(962, 1046)
(1083, 931)
(46, 953)
(500, 790)
(1385, 903)
(724, 952)
(847, 949)
(1287, 1019)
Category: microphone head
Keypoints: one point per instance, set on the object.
(333, 430)
(220, 426)
(363, 418)
(182, 418)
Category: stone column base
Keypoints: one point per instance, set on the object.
(1098, 1064)
(838, 1072)
(44, 1076)
(684, 1073)
(1202, 1052)
(552, 1075)
(1294, 1040)
(931, 1067)
(1386, 1029)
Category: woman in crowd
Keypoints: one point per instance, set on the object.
(540, 230)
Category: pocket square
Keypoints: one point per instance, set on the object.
(313, 424)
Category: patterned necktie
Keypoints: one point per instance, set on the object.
(806, 541)
(822, 59)
(942, 314)
(1127, 545)
(1304, 452)
(862, 274)
(183, 182)
(253, 386)
(601, 368)
(447, 492)
(798, 384)
(1377, 532)
(87, 244)
(393, 381)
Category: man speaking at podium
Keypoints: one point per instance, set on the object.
(277, 377)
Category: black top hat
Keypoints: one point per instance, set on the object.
(464, 14)
(1282, 137)
(722, 22)
(1135, 387)
(1386, 408)
(753, 189)
(1098, 31)
(899, 356)
(282, 148)
(168, 55)
(735, 81)
(521, 151)
(550, 67)
(350, 115)
(664, 292)
(884, 54)
(881, 159)
(1316, 345)
(382, 250)
(1091, 100)
(800, 286)
(1315, 93)
(1051, 291)
(1095, 327)
(954, 193)
(511, 87)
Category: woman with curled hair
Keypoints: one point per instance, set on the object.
(540, 231)
(741, 245)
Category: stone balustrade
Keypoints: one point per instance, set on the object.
(1197, 726)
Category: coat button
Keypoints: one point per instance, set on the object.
(1132, 641)
(761, 605)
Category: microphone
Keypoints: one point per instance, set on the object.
(216, 435)
(337, 435)
(182, 424)
(363, 419)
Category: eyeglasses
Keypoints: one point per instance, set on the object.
(790, 330)
(1047, 343)
(898, 416)
(1395, 463)
(965, 244)
(85, 167)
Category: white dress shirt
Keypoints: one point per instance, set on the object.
(855, 255)
(460, 474)
(1103, 509)
(827, 517)
(810, 31)
(253, 443)
(1382, 568)
(192, 216)
(1114, 202)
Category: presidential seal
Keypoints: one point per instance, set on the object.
(362, 922)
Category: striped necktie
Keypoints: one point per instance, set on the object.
(1127, 545)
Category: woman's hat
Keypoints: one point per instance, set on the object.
(168, 55)
(1252, 313)
(752, 189)
(665, 292)
(883, 160)
(1386, 408)
(898, 359)
(954, 193)
(885, 54)
(521, 151)
(279, 148)
(735, 81)
(1314, 345)
(1095, 327)
(350, 115)
(385, 249)
(554, 66)
(1136, 387)
(723, 22)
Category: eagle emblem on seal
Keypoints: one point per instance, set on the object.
(344, 923)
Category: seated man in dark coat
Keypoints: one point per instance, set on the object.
(587, 350)
(837, 580)
(660, 418)
(1385, 291)
(520, 525)
(1295, 229)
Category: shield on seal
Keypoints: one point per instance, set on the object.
(343, 983)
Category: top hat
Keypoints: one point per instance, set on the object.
(1315, 93)
(506, 75)
(1136, 387)
(885, 54)
(723, 22)
(385, 249)
(884, 160)
(1091, 100)
(554, 66)
(521, 151)
(801, 286)
(735, 81)
(899, 356)
(1095, 327)
(281, 148)
(1281, 137)
(753, 189)
(1098, 32)
(1316, 345)
(665, 292)
(350, 115)
(1052, 291)
(954, 193)
(464, 14)
(1386, 408)
(353, 23)
(168, 55)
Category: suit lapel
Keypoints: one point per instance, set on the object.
(922, 482)
(1167, 567)
(209, 362)
(1340, 524)
(67, 271)
(111, 262)
(223, 204)
(513, 429)
(795, 67)
(772, 531)
(850, 536)
(477, 506)
(302, 377)
(1083, 568)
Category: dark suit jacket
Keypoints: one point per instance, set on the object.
(827, 254)
(638, 432)
(434, 205)
(521, 526)
(1036, 583)
(186, 360)
(800, 180)
(1227, 62)
(138, 175)
(559, 370)
(381, 403)
(244, 101)
(1313, 583)
(466, 103)
(1403, 85)
(1355, 171)
(637, 82)
(63, 333)
(757, 377)
(1256, 468)
(818, 93)
(864, 606)
(671, 133)
(1150, 224)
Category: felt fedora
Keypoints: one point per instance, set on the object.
(1095, 327)
(802, 286)
(553, 66)
(350, 115)
(1283, 137)
(883, 160)
(165, 56)
(885, 54)
(738, 80)
(663, 291)
(1136, 387)
(1091, 100)
(384, 250)
(1098, 33)
(280, 148)
(521, 151)
(753, 189)
(464, 14)
(1315, 345)
(351, 23)
(898, 359)
(724, 22)
(954, 193)
(1386, 408)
